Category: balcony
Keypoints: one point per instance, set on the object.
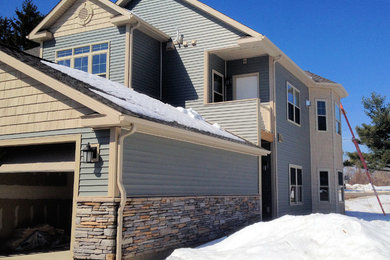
(237, 92)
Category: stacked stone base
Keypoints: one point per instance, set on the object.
(95, 234)
(155, 225)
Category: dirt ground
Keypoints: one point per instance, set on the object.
(353, 195)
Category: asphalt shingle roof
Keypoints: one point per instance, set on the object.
(318, 78)
(84, 88)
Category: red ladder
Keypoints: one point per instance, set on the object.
(362, 159)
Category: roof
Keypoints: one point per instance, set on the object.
(123, 99)
(318, 78)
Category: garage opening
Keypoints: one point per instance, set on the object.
(36, 198)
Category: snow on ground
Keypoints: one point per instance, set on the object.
(365, 188)
(368, 208)
(142, 104)
(362, 234)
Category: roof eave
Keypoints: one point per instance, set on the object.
(338, 88)
(172, 132)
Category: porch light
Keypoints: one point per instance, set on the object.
(90, 154)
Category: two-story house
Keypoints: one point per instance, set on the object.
(187, 54)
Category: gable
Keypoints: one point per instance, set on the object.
(30, 106)
(83, 16)
(169, 15)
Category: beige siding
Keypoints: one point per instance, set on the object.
(326, 150)
(265, 116)
(68, 23)
(29, 106)
(239, 117)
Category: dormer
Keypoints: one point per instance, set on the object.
(99, 37)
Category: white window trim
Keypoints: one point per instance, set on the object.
(89, 54)
(235, 77)
(326, 116)
(335, 119)
(319, 185)
(214, 72)
(338, 187)
(289, 184)
(300, 110)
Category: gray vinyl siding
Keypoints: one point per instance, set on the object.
(93, 177)
(295, 148)
(146, 65)
(238, 117)
(155, 166)
(116, 36)
(217, 64)
(184, 67)
(255, 65)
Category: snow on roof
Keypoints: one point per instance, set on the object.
(316, 236)
(141, 104)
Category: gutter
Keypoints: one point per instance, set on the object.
(122, 190)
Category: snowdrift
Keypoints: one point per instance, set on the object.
(316, 236)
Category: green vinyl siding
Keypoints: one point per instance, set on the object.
(146, 65)
(155, 166)
(116, 36)
(93, 177)
(295, 148)
(183, 68)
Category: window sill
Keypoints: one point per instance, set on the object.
(294, 123)
(296, 204)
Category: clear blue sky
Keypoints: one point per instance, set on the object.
(346, 41)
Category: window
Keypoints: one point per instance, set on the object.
(91, 58)
(324, 186)
(218, 87)
(321, 115)
(341, 186)
(337, 118)
(295, 184)
(293, 104)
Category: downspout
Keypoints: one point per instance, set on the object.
(333, 115)
(122, 191)
(161, 71)
(138, 24)
(275, 153)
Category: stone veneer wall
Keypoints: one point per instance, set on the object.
(153, 225)
(95, 234)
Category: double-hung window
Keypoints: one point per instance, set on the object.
(321, 115)
(218, 94)
(341, 186)
(337, 117)
(293, 104)
(295, 184)
(89, 58)
(324, 186)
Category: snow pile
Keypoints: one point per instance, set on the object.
(142, 104)
(315, 236)
(366, 187)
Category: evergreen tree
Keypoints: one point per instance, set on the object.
(6, 31)
(14, 31)
(376, 135)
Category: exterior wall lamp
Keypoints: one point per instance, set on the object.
(91, 153)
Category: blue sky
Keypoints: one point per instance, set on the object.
(346, 41)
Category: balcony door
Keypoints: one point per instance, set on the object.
(246, 86)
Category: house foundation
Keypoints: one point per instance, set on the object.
(153, 226)
(95, 234)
